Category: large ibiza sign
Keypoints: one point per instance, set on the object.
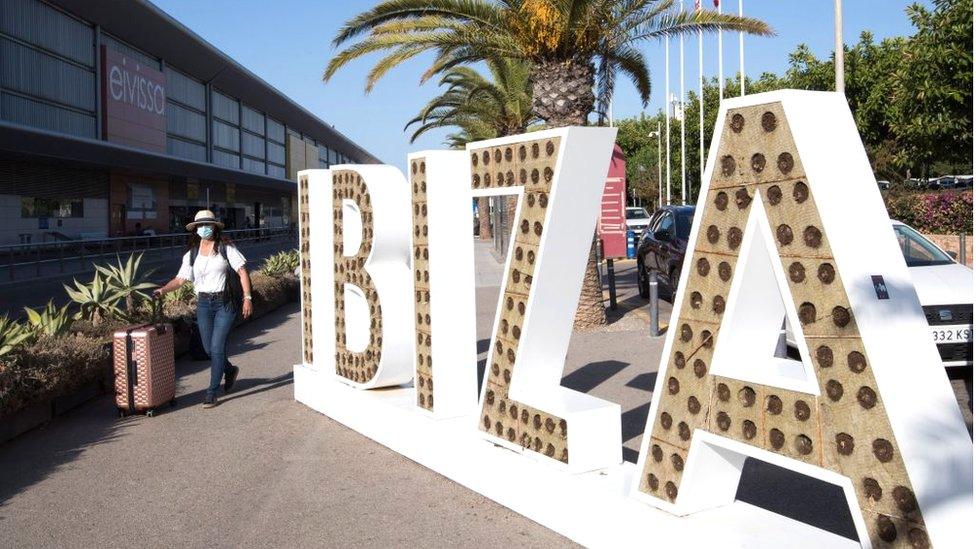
(790, 233)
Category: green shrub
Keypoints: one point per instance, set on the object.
(127, 281)
(281, 263)
(52, 321)
(97, 300)
(12, 334)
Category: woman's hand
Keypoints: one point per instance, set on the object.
(159, 292)
(247, 308)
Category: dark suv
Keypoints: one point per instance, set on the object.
(662, 247)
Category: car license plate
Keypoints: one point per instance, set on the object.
(952, 334)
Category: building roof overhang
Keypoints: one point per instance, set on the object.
(27, 143)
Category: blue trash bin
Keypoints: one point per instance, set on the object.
(631, 244)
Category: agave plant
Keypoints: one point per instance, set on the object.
(281, 263)
(97, 300)
(184, 293)
(12, 334)
(127, 280)
(52, 321)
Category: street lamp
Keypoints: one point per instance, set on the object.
(660, 193)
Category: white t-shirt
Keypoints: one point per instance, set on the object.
(209, 272)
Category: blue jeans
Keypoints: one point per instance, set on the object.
(215, 318)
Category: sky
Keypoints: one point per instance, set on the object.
(289, 42)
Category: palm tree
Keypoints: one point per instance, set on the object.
(480, 109)
(570, 45)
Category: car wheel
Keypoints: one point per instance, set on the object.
(642, 282)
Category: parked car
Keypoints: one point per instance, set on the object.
(945, 289)
(637, 219)
(964, 181)
(884, 185)
(662, 247)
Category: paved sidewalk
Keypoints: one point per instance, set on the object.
(259, 470)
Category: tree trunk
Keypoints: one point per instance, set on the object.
(484, 219)
(562, 92)
(562, 95)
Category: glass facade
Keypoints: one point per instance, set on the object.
(48, 80)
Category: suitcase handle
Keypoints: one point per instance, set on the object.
(157, 314)
(131, 372)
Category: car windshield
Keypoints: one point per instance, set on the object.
(917, 249)
(684, 223)
(638, 213)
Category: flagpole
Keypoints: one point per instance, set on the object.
(721, 73)
(681, 103)
(667, 113)
(742, 57)
(701, 104)
(660, 188)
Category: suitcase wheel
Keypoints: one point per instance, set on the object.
(172, 403)
(150, 412)
(121, 412)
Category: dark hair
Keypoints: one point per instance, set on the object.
(193, 240)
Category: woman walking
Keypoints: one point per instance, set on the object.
(214, 265)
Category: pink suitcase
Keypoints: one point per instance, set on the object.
(145, 370)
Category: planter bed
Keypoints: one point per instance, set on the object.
(48, 386)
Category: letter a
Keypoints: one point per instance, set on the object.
(790, 232)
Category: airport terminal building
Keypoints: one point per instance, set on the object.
(115, 118)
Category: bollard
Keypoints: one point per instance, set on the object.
(612, 282)
(962, 249)
(652, 295)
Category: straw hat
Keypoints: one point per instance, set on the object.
(204, 217)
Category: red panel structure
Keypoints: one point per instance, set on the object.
(612, 225)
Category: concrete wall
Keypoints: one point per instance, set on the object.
(950, 243)
(94, 222)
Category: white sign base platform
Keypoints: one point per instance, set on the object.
(594, 509)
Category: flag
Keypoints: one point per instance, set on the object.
(716, 2)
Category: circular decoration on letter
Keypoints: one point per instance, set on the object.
(728, 165)
(724, 271)
(737, 123)
(784, 234)
(700, 368)
(785, 163)
(883, 450)
(886, 529)
(801, 410)
(721, 201)
(684, 432)
(872, 490)
(776, 439)
(703, 266)
(774, 405)
(803, 445)
(652, 482)
(696, 300)
(807, 313)
(657, 453)
(748, 429)
(856, 362)
(724, 394)
(693, 405)
(734, 237)
(677, 462)
(673, 385)
(845, 444)
(841, 316)
(866, 397)
(758, 163)
(774, 194)
(742, 198)
(904, 499)
(679, 360)
(812, 237)
(825, 273)
(713, 234)
(723, 421)
(825, 356)
(797, 272)
(801, 192)
(718, 304)
(768, 121)
(747, 397)
(671, 490)
(666, 420)
(834, 390)
(686, 333)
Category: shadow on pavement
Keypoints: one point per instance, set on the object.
(35, 455)
(586, 378)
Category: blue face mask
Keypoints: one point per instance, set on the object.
(205, 231)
